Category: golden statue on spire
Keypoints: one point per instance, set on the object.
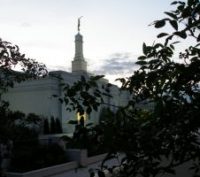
(79, 23)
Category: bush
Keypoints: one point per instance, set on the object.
(46, 129)
(28, 154)
(97, 139)
(26, 157)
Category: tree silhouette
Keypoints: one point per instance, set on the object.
(46, 127)
(52, 126)
(11, 58)
(58, 126)
(156, 141)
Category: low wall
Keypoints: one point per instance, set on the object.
(97, 158)
(44, 172)
(81, 156)
(78, 158)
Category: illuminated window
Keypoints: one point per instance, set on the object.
(78, 116)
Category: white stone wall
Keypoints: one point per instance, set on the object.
(35, 96)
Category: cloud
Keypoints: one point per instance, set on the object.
(58, 68)
(118, 63)
(25, 25)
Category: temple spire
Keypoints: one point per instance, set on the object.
(79, 63)
(79, 23)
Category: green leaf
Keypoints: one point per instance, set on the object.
(176, 42)
(181, 7)
(198, 38)
(142, 58)
(186, 12)
(159, 23)
(89, 124)
(66, 101)
(144, 48)
(88, 110)
(190, 2)
(193, 59)
(83, 79)
(181, 34)
(171, 46)
(197, 45)
(97, 77)
(73, 122)
(141, 62)
(174, 3)
(158, 45)
(174, 24)
(171, 15)
(101, 174)
(61, 100)
(162, 35)
(95, 107)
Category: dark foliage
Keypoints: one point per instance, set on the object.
(52, 126)
(12, 121)
(46, 129)
(156, 141)
(11, 58)
(58, 126)
(86, 137)
(33, 156)
(85, 95)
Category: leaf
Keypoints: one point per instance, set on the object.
(66, 101)
(171, 15)
(158, 45)
(73, 122)
(141, 62)
(88, 110)
(176, 42)
(194, 59)
(101, 174)
(142, 58)
(162, 35)
(197, 45)
(186, 12)
(144, 48)
(95, 107)
(181, 7)
(54, 95)
(83, 79)
(171, 46)
(181, 34)
(92, 174)
(97, 77)
(174, 3)
(198, 38)
(174, 24)
(89, 124)
(159, 23)
(61, 100)
(190, 2)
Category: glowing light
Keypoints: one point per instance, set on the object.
(79, 116)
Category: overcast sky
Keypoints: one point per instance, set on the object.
(113, 30)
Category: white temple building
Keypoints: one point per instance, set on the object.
(36, 96)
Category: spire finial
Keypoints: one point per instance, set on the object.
(79, 23)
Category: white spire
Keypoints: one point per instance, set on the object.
(79, 64)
